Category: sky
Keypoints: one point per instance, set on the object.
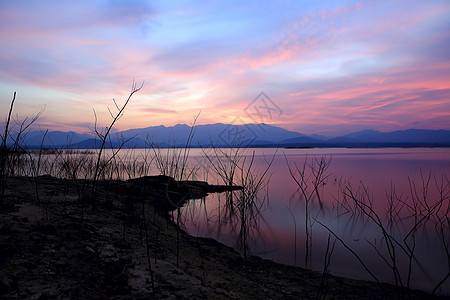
(325, 67)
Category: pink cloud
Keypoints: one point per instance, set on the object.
(391, 102)
(366, 64)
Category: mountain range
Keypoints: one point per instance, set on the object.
(226, 135)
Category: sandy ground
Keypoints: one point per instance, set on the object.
(56, 248)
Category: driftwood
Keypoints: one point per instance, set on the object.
(168, 194)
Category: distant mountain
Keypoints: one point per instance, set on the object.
(253, 135)
(373, 138)
(402, 136)
(319, 137)
(219, 134)
(115, 142)
(55, 138)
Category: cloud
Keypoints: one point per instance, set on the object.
(61, 16)
(69, 44)
(326, 64)
(157, 110)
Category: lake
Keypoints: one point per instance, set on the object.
(363, 192)
(376, 214)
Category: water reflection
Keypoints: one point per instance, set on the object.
(372, 175)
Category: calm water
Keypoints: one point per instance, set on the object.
(282, 227)
(281, 235)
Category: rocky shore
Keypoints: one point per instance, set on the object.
(55, 245)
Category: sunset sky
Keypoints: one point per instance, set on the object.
(328, 67)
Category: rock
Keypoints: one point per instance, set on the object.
(126, 259)
(90, 250)
(176, 272)
(108, 251)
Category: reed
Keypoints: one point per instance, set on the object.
(243, 207)
(104, 136)
(310, 178)
(404, 218)
(225, 164)
(326, 264)
(172, 160)
(12, 156)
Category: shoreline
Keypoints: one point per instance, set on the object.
(62, 248)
